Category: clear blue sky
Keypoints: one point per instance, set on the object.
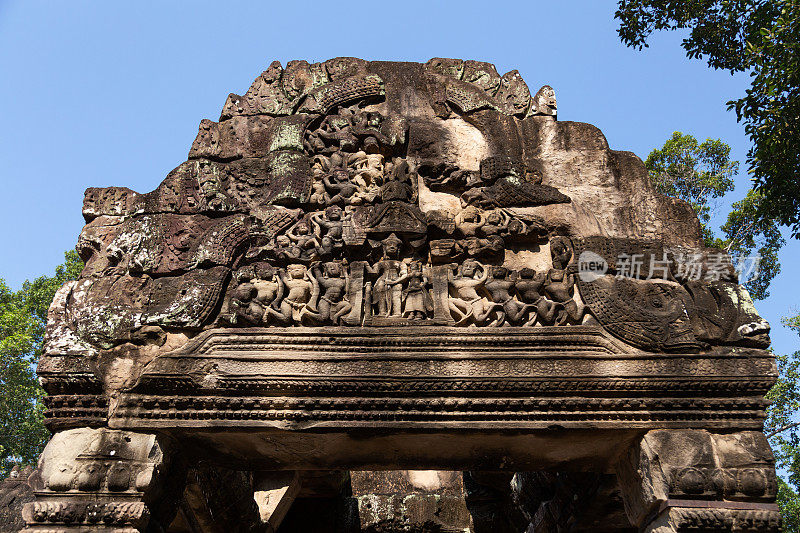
(106, 93)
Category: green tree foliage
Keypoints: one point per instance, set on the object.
(783, 430)
(695, 172)
(761, 37)
(700, 173)
(21, 431)
(748, 234)
(23, 315)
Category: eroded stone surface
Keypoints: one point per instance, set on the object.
(357, 251)
(354, 193)
(15, 492)
(106, 478)
(670, 472)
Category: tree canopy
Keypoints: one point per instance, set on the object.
(700, 173)
(783, 431)
(748, 234)
(695, 172)
(761, 37)
(23, 315)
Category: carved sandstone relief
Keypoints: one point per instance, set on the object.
(319, 199)
(354, 194)
(403, 246)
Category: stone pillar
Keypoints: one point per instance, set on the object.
(692, 480)
(105, 480)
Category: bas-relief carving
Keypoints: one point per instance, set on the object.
(95, 478)
(324, 197)
(286, 210)
(669, 475)
(405, 210)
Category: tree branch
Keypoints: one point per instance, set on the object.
(735, 239)
(782, 429)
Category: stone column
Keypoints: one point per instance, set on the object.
(692, 480)
(105, 480)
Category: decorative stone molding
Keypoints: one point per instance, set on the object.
(99, 478)
(575, 377)
(369, 263)
(691, 480)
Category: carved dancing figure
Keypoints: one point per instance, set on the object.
(313, 142)
(258, 288)
(469, 221)
(366, 127)
(242, 304)
(560, 283)
(269, 291)
(340, 188)
(387, 290)
(560, 252)
(560, 287)
(304, 239)
(369, 165)
(319, 194)
(529, 285)
(418, 302)
(500, 286)
(367, 172)
(337, 130)
(479, 235)
(329, 228)
(467, 304)
(285, 249)
(334, 284)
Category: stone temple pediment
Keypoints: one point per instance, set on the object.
(380, 265)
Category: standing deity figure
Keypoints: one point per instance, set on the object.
(560, 283)
(319, 194)
(529, 285)
(418, 302)
(334, 284)
(300, 304)
(387, 292)
(269, 291)
(329, 228)
(467, 304)
(500, 286)
(400, 184)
